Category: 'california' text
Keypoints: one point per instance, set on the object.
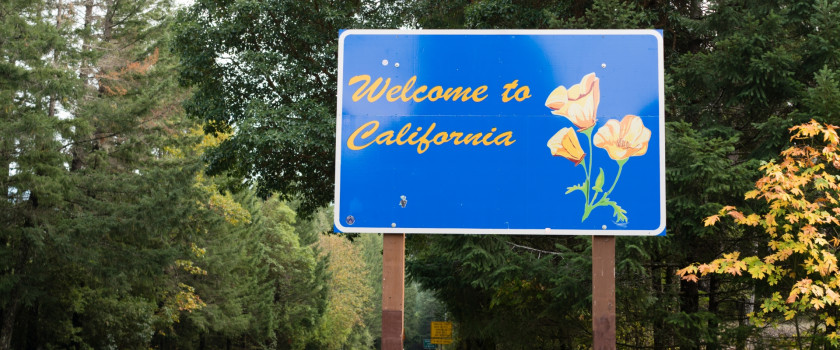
(364, 137)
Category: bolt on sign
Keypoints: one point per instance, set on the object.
(501, 132)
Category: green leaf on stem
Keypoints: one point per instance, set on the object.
(599, 182)
(574, 188)
(618, 212)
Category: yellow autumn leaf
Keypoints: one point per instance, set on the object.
(804, 285)
(830, 135)
(817, 290)
(832, 296)
(770, 220)
(809, 230)
(687, 270)
(706, 268)
(731, 256)
(690, 278)
(736, 268)
(806, 130)
(711, 220)
(751, 220)
(817, 303)
(739, 217)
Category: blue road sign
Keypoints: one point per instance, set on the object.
(500, 132)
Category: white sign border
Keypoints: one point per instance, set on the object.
(546, 231)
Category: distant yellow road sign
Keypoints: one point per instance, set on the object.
(441, 330)
(442, 341)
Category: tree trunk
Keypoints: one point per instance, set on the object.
(108, 20)
(84, 71)
(689, 297)
(77, 151)
(10, 313)
(6, 146)
(741, 340)
(8, 327)
(53, 97)
(659, 332)
(31, 316)
(713, 308)
(690, 304)
(832, 312)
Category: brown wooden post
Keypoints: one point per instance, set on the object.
(603, 292)
(393, 290)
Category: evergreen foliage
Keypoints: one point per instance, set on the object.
(112, 235)
(124, 226)
(267, 70)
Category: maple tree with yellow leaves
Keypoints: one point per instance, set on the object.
(801, 193)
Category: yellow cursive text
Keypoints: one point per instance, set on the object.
(364, 137)
(407, 92)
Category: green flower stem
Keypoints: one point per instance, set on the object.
(586, 211)
(586, 183)
(588, 133)
(617, 175)
(603, 201)
(587, 207)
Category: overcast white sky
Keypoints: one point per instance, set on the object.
(183, 3)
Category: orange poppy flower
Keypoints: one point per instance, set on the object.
(622, 140)
(579, 103)
(565, 144)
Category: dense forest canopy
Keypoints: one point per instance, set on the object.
(168, 174)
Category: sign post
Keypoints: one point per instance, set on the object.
(603, 292)
(535, 132)
(393, 291)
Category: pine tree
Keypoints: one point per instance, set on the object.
(99, 207)
(267, 71)
(32, 178)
